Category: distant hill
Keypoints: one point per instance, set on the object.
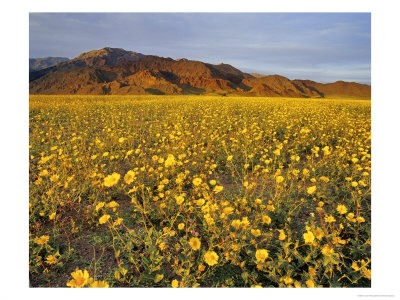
(338, 88)
(257, 75)
(121, 72)
(36, 64)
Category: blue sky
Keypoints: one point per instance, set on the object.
(324, 47)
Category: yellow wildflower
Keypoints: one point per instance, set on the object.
(218, 189)
(104, 219)
(99, 284)
(329, 219)
(341, 209)
(197, 181)
(211, 258)
(175, 283)
(100, 205)
(51, 260)
(282, 235)
(288, 280)
(311, 190)
(310, 283)
(319, 233)
(129, 177)
(54, 178)
(195, 243)
(261, 255)
(308, 237)
(111, 180)
(52, 216)
(236, 224)
(360, 220)
(80, 279)
(162, 246)
(179, 199)
(266, 219)
(42, 240)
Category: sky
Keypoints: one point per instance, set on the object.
(323, 47)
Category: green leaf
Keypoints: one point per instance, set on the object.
(245, 275)
(158, 278)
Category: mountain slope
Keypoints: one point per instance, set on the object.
(117, 71)
(338, 88)
(36, 64)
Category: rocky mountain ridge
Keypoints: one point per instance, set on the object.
(121, 72)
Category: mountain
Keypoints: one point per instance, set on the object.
(106, 57)
(257, 75)
(338, 88)
(120, 72)
(36, 64)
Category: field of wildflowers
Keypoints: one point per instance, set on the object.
(199, 191)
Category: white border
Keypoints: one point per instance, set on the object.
(14, 143)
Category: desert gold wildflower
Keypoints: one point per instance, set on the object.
(52, 216)
(99, 284)
(350, 217)
(179, 199)
(99, 205)
(161, 246)
(200, 202)
(54, 178)
(279, 179)
(175, 283)
(245, 222)
(287, 280)
(129, 177)
(311, 190)
(327, 250)
(261, 255)
(195, 243)
(236, 224)
(218, 189)
(118, 221)
(360, 219)
(104, 219)
(111, 180)
(310, 283)
(42, 240)
(329, 219)
(266, 219)
(51, 260)
(341, 209)
(308, 237)
(319, 233)
(170, 161)
(211, 258)
(197, 181)
(282, 235)
(80, 279)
